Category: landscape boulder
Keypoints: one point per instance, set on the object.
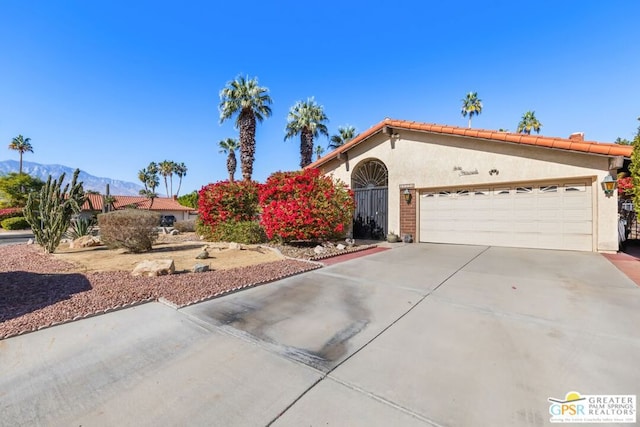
(153, 268)
(84, 242)
(200, 268)
(204, 254)
(340, 247)
(235, 246)
(319, 250)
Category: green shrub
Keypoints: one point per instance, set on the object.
(15, 223)
(132, 229)
(185, 226)
(204, 230)
(248, 232)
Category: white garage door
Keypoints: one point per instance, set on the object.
(549, 216)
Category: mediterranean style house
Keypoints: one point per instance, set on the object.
(161, 205)
(446, 184)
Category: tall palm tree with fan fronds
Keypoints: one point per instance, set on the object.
(229, 146)
(307, 119)
(180, 169)
(244, 98)
(471, 105)
(166, 169)
(344, 135)
(21, 145)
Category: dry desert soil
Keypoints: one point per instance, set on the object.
(39, 290)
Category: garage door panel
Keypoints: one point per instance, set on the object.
(557, 216)
(577, 228)
(581, 215)
(550, 228)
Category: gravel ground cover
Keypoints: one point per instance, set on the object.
(38, 291)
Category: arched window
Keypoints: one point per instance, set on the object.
(369, 174)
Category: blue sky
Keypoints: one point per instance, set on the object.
(108, 86)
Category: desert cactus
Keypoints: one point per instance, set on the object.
(49, 212)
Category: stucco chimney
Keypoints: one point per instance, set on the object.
(577, 136)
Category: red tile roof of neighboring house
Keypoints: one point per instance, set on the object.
(569, 144)
(140, 202)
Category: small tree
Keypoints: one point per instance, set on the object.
(15, 189)
(189, 200)
(50, 210)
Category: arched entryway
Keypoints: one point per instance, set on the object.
(369, 181)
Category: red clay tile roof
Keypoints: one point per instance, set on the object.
(591, 147)
(141, 202)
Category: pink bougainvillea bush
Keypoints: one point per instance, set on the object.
(226, 201)
(305, 205)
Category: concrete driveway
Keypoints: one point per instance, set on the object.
(443, 335)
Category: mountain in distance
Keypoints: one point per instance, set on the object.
(89, 182)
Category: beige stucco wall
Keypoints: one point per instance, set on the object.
(428, 161)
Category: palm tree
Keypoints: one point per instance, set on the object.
(21, 145)
(528, 123)
(319, 150)
(471, 105)
(345, 134)
(306, 118)
(180, 169)
(229, 146)
(149, 177)
(150, 180)
(166, 168)
(250, 102)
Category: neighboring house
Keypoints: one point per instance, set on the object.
(162, 205)
(447, 184)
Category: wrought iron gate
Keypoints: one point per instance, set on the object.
(370, 218)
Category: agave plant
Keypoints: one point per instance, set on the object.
(80, 226)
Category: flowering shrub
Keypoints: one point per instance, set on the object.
(625, 186)
(227, 201)
(305, 205)
(10, 213)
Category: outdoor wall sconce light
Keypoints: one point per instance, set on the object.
(494, 172)
(407, 195)
(609, 185)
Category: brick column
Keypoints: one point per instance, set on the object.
(408, 215)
